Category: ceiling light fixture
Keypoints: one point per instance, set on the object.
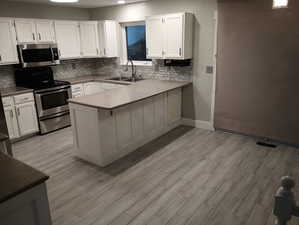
(278, 4)
(64, 1)
(121, 2)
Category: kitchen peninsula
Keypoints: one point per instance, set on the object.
(110, 125)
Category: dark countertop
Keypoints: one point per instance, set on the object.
(5, 92)
(16, 177)
(128, 94)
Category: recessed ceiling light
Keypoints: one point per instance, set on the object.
(277, 4)
(64, 1)
(121, 1)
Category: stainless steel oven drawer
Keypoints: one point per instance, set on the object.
(54, 122)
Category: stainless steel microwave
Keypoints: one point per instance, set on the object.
(37, 55)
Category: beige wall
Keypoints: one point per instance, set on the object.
(197, 103)
(41, 11)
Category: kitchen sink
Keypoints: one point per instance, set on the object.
(127, 79)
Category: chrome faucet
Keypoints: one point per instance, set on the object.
(134, 70)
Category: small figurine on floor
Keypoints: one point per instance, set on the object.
(285, 205)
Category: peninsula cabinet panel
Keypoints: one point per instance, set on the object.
(68, 39)
(137, 120)
(174, 106)
(149, 116)
(8, 44)
(123, 123)
(160, 111)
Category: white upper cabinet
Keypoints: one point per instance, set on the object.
(68, 39)
(45, 31)
(89, 39)
(34, 31)
(154, 37)
(25, 29)
(108, 38)
(170, 36)
(8, 45)
(173, 36)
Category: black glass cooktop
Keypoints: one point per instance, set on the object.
(37, 78)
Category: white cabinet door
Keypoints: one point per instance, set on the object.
(89, 39)
(68, 39)
(8, 45)
(108, 38)
(154, 37)
(27, 120)
(25, 29)
(45, 31)
(173, 39)
(11, 121)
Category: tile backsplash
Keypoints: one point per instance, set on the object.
(104, 67)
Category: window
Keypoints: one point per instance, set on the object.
(280, 4)
(134, 43)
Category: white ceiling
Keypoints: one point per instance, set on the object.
(82, 3)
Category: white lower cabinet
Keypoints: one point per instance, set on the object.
(12, 123)
(92, 88)
(27, 121)
(20, 115)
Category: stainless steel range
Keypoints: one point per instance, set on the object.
(51, 97)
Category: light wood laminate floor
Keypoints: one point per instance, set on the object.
(189, 176)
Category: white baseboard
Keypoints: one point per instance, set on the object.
(206, 125)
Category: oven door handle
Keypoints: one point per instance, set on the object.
(53, 92)
(52, 54)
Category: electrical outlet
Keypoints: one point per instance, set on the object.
(209, 69)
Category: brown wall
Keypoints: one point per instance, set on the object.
(258, 69)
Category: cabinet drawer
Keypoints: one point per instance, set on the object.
(19, 99)
(77, 87)
(7, 101)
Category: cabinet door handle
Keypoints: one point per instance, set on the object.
(39, 36)
(104, 51)
(97, 51)
(11, 113)
(33, 36)
(18, 112)
(180, 51)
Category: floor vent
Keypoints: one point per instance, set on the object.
(265, 144)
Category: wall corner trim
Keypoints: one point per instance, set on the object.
(206, 125)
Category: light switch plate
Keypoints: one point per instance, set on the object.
(209, 69)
